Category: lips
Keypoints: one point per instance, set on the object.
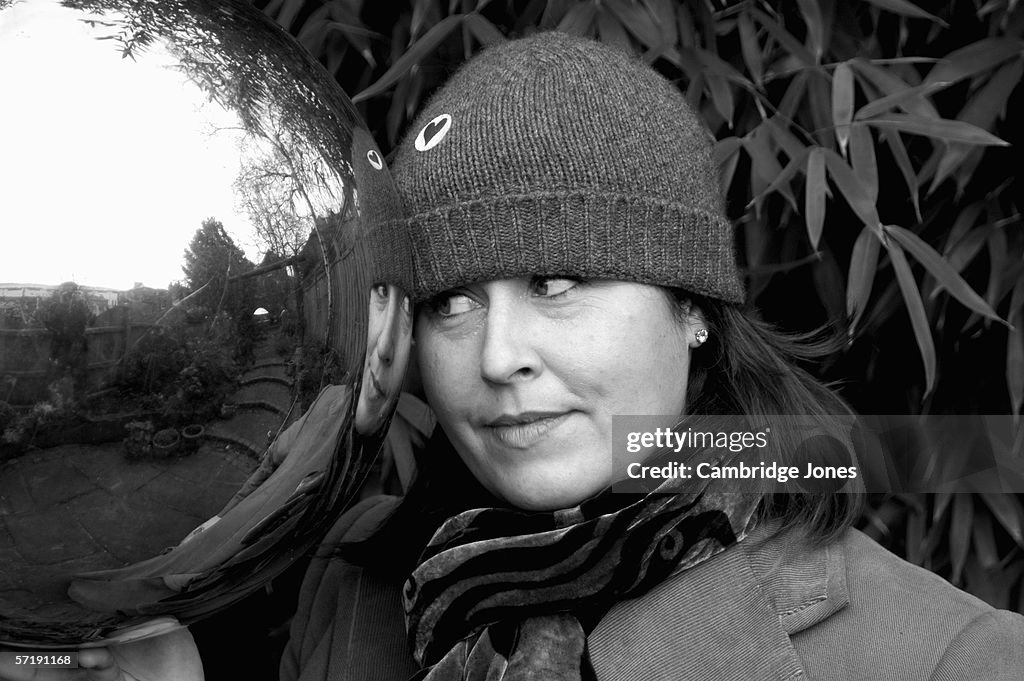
(375, 389)
(525, 429)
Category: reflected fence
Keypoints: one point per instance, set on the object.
(26, 369)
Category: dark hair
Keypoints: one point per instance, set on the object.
(749, 367)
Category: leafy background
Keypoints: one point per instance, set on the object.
(867, 150)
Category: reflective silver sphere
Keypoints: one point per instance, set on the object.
(192, 384)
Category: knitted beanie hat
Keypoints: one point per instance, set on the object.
(559, 155)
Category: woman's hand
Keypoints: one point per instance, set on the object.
(169, 657)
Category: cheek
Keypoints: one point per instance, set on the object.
(438, 372)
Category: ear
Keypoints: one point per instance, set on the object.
(695, 321)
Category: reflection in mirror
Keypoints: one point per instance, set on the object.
(387, 355)
(192, 214)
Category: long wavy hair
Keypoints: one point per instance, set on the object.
(746, 367)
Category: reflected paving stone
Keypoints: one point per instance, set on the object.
(50, 536)
(99, 511)
(50, 476)
(269, 392)
(14, 495)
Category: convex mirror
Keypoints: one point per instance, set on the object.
(203, 324)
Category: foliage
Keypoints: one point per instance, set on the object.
(7, 415)
(53, 412)
(211, 259)
(171, 371)
(66, 315)
(863, 148)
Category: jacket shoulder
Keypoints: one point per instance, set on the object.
(904, 622)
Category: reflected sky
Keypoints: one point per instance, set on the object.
(136, 125)
(105, 155)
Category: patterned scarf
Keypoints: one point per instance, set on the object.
(510, 595)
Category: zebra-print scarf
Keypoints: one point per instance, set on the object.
(506, 594)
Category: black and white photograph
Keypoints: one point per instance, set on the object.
(511, 340)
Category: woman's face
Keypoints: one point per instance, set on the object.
(387, 355)
(526, 374)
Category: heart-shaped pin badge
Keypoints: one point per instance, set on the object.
(375, 160)
(433, 132)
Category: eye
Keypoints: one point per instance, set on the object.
(553, 286)
(451, 303)
(380, 290)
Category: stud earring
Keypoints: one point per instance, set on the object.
(701, 336)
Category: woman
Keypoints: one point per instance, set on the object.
(572, 263)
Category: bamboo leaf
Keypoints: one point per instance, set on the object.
(997, 255)
(554, 12)
(784, 138)
(483, 30)
(814, 196)
(861, 277)
(790, 44)
(819, 97)
(915, 537)
(899, 154)
(1007, 510)
(942, 502)
(944, 129)
(721, 96)
(975, 58)
(685, 26)
(898, 99)
(765, 164)
(715, 64)
(635, 19)
(289, 10)
(795, 165)
(987, 105)
(965, 220)
(815, 27)
(414, 55)
(960, 533)
(862, 158)
(663, 13)
(889, 83)
(907, 9)
(842, 103)
(724, 149)
(966, 250)
(790, 101)
(944, 274)
(726, 172)
(985, 541)
(764, 161)
(750, 48)
(915, 308)
(1015, 349)
(611, 31)
(852, 190)
(579, 20)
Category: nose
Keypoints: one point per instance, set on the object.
(508, 353)
(385, 347)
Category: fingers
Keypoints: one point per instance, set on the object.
(93, 665)
(98, 664)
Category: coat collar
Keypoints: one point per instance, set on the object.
(728, 618)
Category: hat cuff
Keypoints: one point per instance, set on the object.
(587, 234)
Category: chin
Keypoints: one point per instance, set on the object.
(544, 500)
